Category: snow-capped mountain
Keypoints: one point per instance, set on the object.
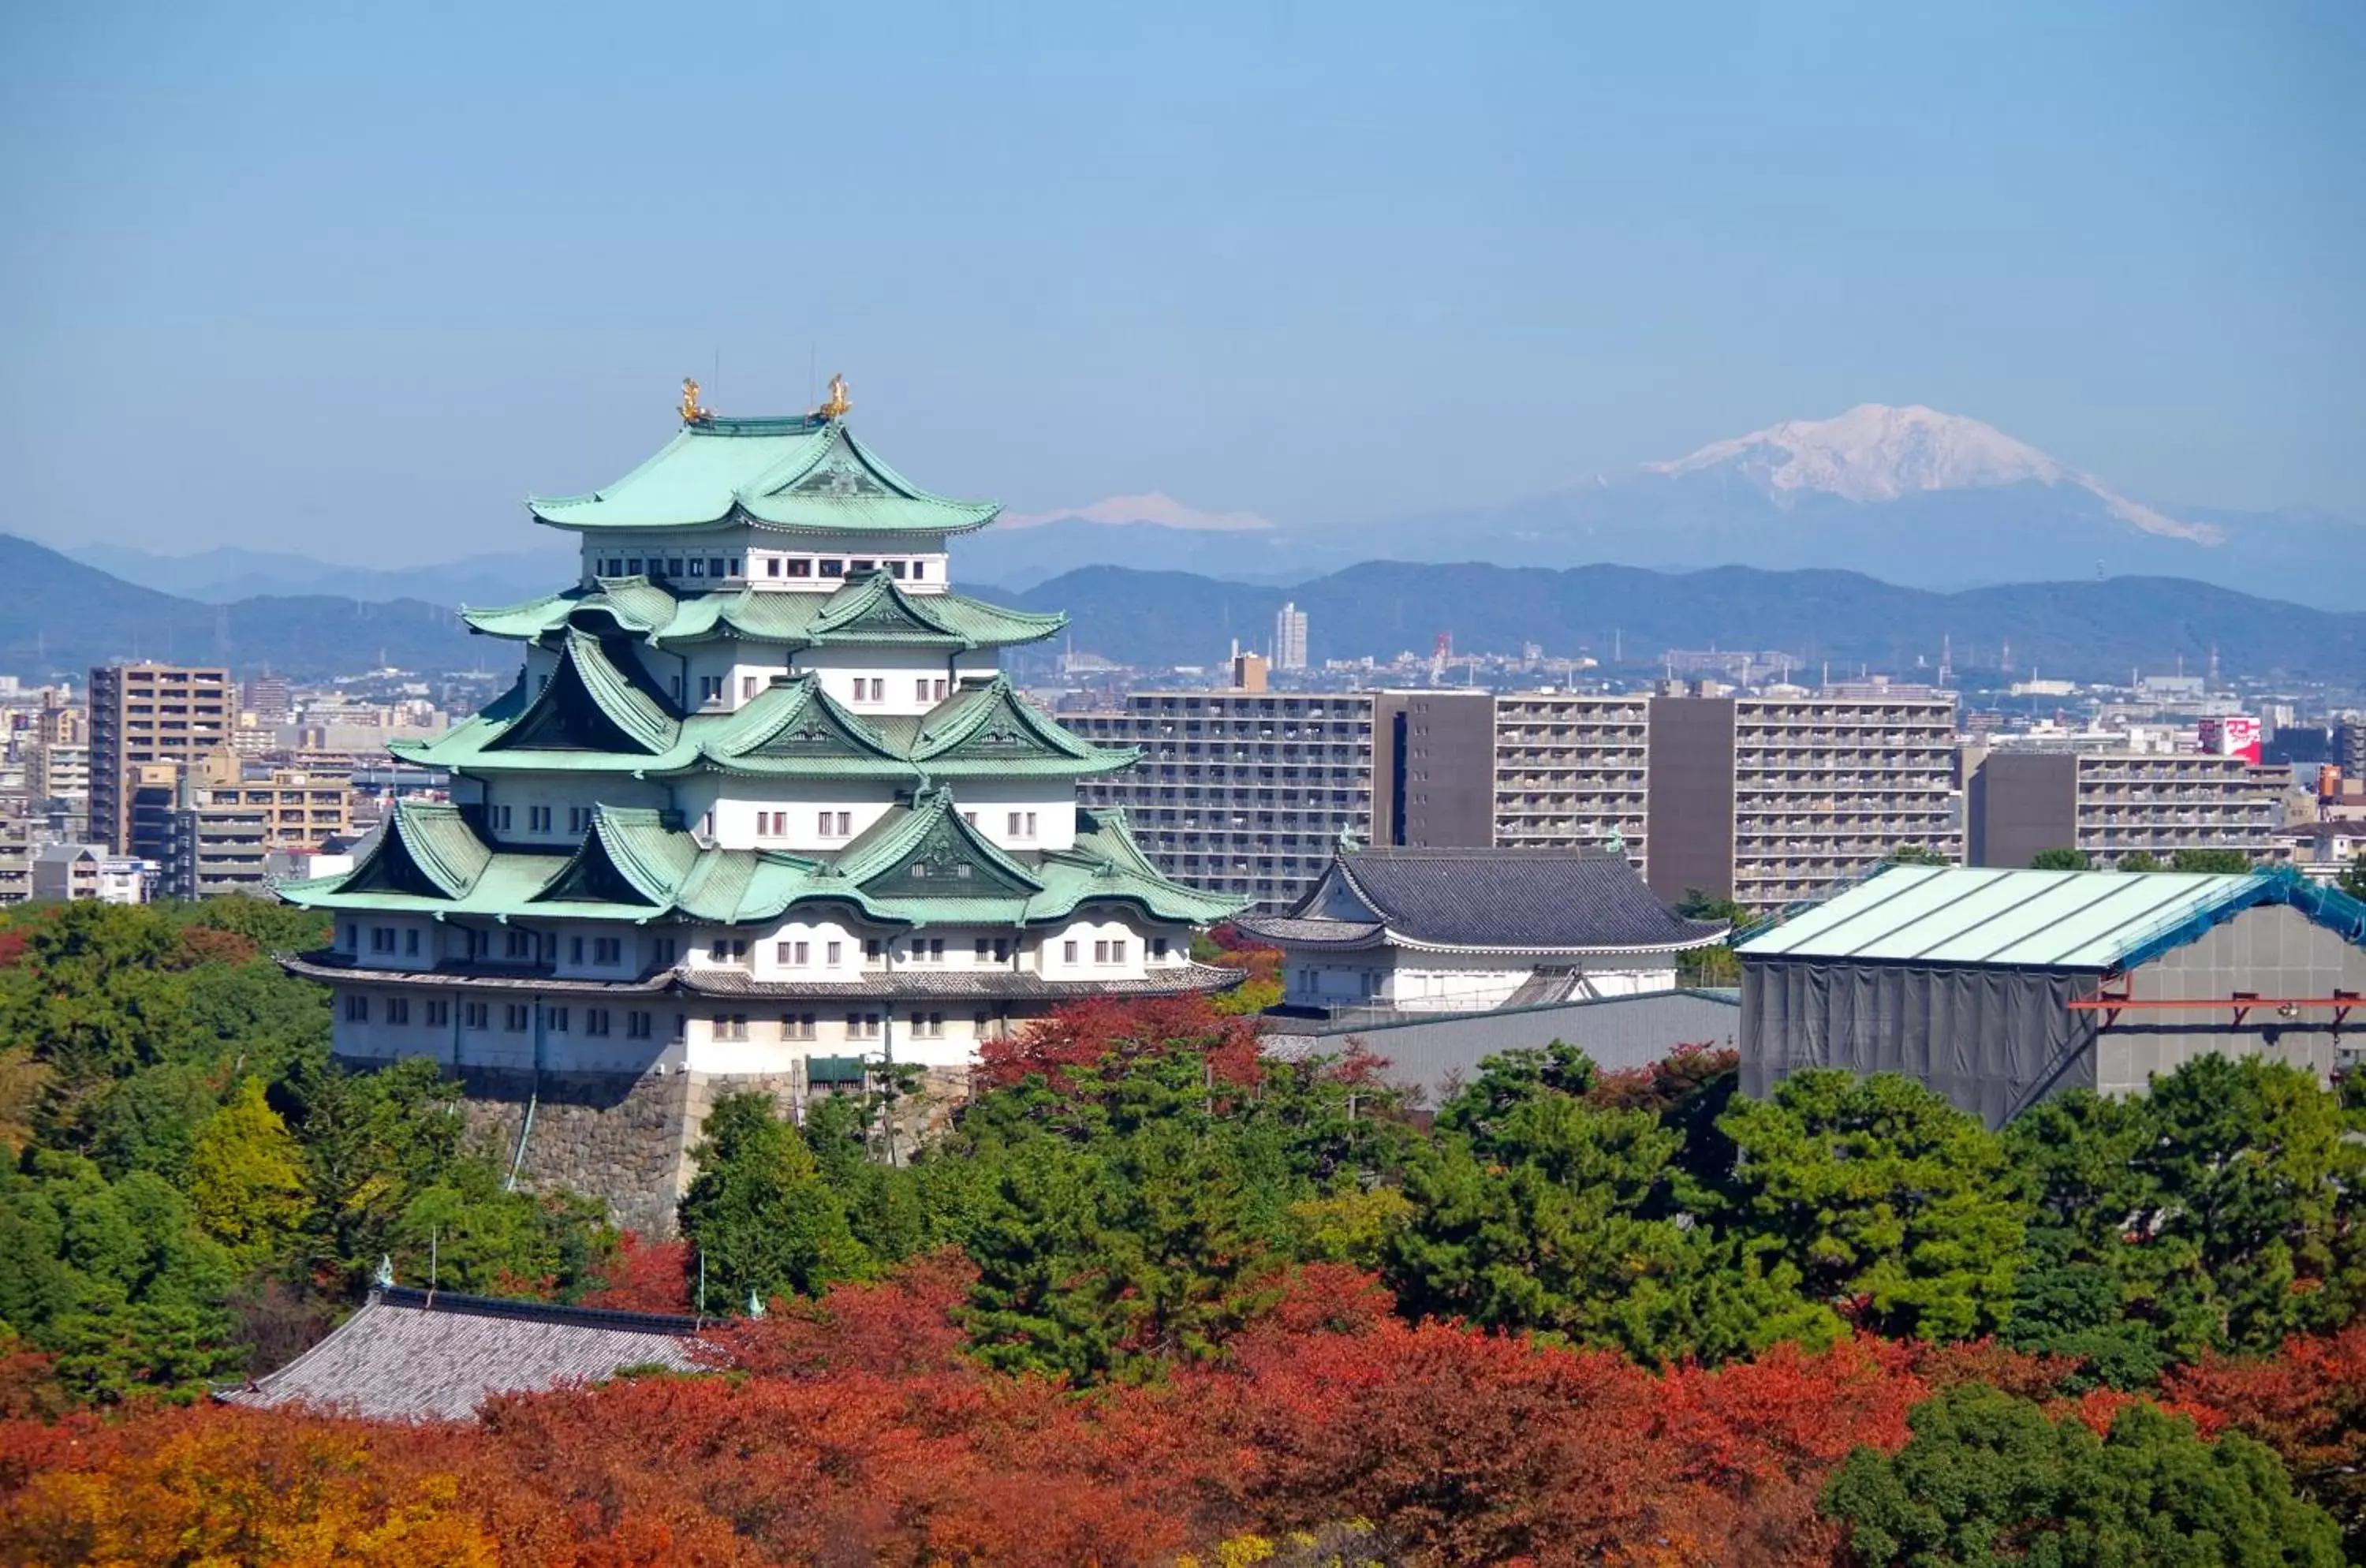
(1876, 453)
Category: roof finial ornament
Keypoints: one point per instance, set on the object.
(691, 412)
(839, 401)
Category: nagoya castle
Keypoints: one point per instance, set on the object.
(759, 811)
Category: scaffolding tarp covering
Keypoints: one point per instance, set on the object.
(1994, 1041)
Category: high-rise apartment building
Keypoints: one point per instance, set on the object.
(1763, 799)
(1570, 769)
(2111, 805)
(1289, 637)
(142, 714)
(1246, 793)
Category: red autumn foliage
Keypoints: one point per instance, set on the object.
(1264, 963)
(2308, 1403)
(1111, 1037)
(854, 1430)
(644, 1275)
(1993, 1363)
(204, 944)
(1661, 1086)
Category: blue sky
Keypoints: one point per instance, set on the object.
(353, 280)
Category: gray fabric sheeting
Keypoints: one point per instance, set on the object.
(1993, 1041)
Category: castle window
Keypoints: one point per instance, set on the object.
(595, 1021)
(514, 1018)
(357, 1008)
(556, 1019)
(731, 1026)
(797, 1025)
(633, 566)
(796, 953)
(928, 1025)
(801, 568)
(833, 569)
(439, 1014)
(607, 950)
(830, 953)
(476, 1015)
(637, 1026)
(537, 818)
(896, 568)
(1068, 952)
(698, 566)
(919, 569)
(772, 566)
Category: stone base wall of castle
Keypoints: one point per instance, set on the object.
(626, 1138)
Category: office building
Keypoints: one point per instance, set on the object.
(1246, 793)
(2110, 805)
(16, 851)
(144, 714)
(1289, 637)
(72, 871)
(1764, 800)
(215, 849)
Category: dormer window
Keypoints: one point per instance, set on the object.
(833, 569)
(801, 566)
(697, 567)
(919, 569)
(865, 565)
(896, 568)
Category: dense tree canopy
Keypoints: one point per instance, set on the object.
(1152, 1295)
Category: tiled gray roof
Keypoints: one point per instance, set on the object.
(409, 1355)
(1526, 898)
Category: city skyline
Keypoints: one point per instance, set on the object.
(360, 292)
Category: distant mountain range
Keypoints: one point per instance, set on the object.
(225, 576)
(2076, 630)
(1908, 495)
(60, 616)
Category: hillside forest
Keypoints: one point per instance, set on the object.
(1154, 1297)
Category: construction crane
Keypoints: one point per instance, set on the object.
(1444, 652)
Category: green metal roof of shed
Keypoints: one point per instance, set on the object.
(801, 474)
(2033, 920)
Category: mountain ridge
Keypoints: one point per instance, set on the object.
(2080, 630)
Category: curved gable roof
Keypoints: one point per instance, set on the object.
(1513, 899)
(800, 474)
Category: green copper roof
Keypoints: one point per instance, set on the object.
(984, 731)
(806, 474)
(594, 717)
(921, 865)
(870, 608)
